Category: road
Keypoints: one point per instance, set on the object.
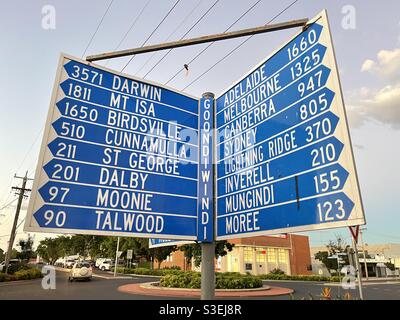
(372, 291)
(106, 288)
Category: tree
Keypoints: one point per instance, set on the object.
(2, 255)
(162, 253)
(194, 251)
(50, 249)
(26, 246)
(14, 254)
(333, 247)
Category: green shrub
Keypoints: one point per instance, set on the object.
(227, 280)
(153, 272)
(26, 274)
(14, 267)
(144, 265)
(189, 279)
(7, 277)
(277, 271)
(172, 268)
(272, 276)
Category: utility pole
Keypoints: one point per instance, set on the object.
(363, 249)
(21, 193)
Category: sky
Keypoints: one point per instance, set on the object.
(366, 36)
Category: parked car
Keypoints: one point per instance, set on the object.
(80, 271)
(69, 263)
(3, 264)
(99, 261)
(91, 262)
(106, 265)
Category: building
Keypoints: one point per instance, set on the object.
(377, 258)
(259, 255)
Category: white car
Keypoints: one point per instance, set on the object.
(81, 271)
(69, 263)
(99, 261)
(3, 264)
(106, 265)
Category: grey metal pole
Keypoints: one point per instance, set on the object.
(359, 275)
(199, 40)
(339, 273)
(208, 249)
(116, 259)
(365, 260)
(207, 271)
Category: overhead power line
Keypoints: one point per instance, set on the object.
(237, 47)
(97, 29)
(30, 148)
(6, 205)
(130, 28)
(21, 222)
(211, 43)
(171, 34)
(186, 33)
(151, 34)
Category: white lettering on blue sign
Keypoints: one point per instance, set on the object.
(115, 157)
(285, 161)
(205, 207)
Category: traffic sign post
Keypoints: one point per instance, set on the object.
(118, 157)
(285, 155)
(123, 156)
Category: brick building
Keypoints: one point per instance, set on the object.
(259, 255)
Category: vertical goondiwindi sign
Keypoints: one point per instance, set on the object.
(285, 156)
(205, 209)
(119, 157)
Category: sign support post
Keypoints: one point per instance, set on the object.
(116, 259)
(207, 194)
(359, 273)
(207, 271)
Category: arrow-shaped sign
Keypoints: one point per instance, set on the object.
(319, 210)
(116, 199)
(120, 178)
(75, 218)
(320, 181)
(116, 157)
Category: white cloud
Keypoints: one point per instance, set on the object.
(382, 106)
(387, 65)
(368, 65)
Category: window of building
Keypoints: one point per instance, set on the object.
(261, 255)
(282, 256)
(271, 255)
(248, 255)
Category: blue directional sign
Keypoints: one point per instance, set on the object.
(156, 243)
(285, 159)
(127, 157)
(119, 157)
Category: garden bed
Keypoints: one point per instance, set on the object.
(27, 274)
(192, 280)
